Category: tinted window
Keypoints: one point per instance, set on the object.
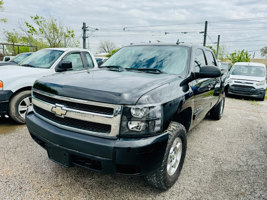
(210, 59)
(89, 60)
(168, 59)
(199, 59)
(76, 60)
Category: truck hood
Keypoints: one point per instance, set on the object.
(17, 71)
(124, 88)
(7, 63)
(247, 78)
(15, 77)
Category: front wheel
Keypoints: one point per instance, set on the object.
(263, 96)
(18, 106)
(167, 174)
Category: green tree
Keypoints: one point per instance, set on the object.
(240, 56)
(210, 47)
(52, 32)
(110, 53)
(12, 37)
(1, 9)
(264, 51)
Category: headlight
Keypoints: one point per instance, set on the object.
(141, 120)
(139, 112)
(1, 85)
(260, 83)
(228, 81)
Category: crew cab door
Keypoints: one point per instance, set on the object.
(203, 88)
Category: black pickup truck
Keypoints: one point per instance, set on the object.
(130, 115)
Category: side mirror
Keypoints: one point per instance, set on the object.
(205, 72)
(64, 66)
(208, 72)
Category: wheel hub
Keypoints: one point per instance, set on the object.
(174, 158)
(24, 105)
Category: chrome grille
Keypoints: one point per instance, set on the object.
(78, 115)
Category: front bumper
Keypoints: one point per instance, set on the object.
(4, 101)
(246, 91)
(125, 155)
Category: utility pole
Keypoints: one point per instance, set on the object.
(205, 33)
(84, 34)
(218, 45)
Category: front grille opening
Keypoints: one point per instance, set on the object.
(128, 169)
(76, 106)
(74, 123)
(86, 162)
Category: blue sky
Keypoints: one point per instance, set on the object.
(241, 24)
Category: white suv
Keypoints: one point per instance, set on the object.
(16, 81)
(247, 79)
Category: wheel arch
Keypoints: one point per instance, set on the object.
(183, 117)
(20, 90)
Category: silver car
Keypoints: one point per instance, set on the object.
(247, 79)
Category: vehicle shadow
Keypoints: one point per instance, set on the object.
(243, 98)
(4, 119)
(115, 185)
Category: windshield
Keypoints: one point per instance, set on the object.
(245, 70)
(166, 59)
(20, 57)
(44, 58)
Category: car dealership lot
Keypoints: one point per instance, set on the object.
(226, 159)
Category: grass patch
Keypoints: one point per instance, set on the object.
(254, 102)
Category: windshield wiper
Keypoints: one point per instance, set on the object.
(113, 68)
(27, 65)
(148, 70)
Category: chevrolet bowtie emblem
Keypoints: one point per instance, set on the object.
(59, 111)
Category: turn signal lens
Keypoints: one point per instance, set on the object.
(1, 85)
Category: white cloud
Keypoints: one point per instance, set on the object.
(109, 16)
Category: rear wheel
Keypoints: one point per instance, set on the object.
(217, 111)
(165, 176)
(18, 106)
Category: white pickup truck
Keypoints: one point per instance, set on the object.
(16, 81)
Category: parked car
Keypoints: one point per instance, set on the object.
(247, 79)
(17, 59)
(100, 60)
(16, 81)
(7, 58)
(131, 115)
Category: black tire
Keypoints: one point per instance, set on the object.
(263, 96)
(18, 106)
(217, 111)
(164, 177)
(226, 91)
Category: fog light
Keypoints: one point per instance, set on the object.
(136, 125)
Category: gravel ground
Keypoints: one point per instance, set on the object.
(226, 159)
